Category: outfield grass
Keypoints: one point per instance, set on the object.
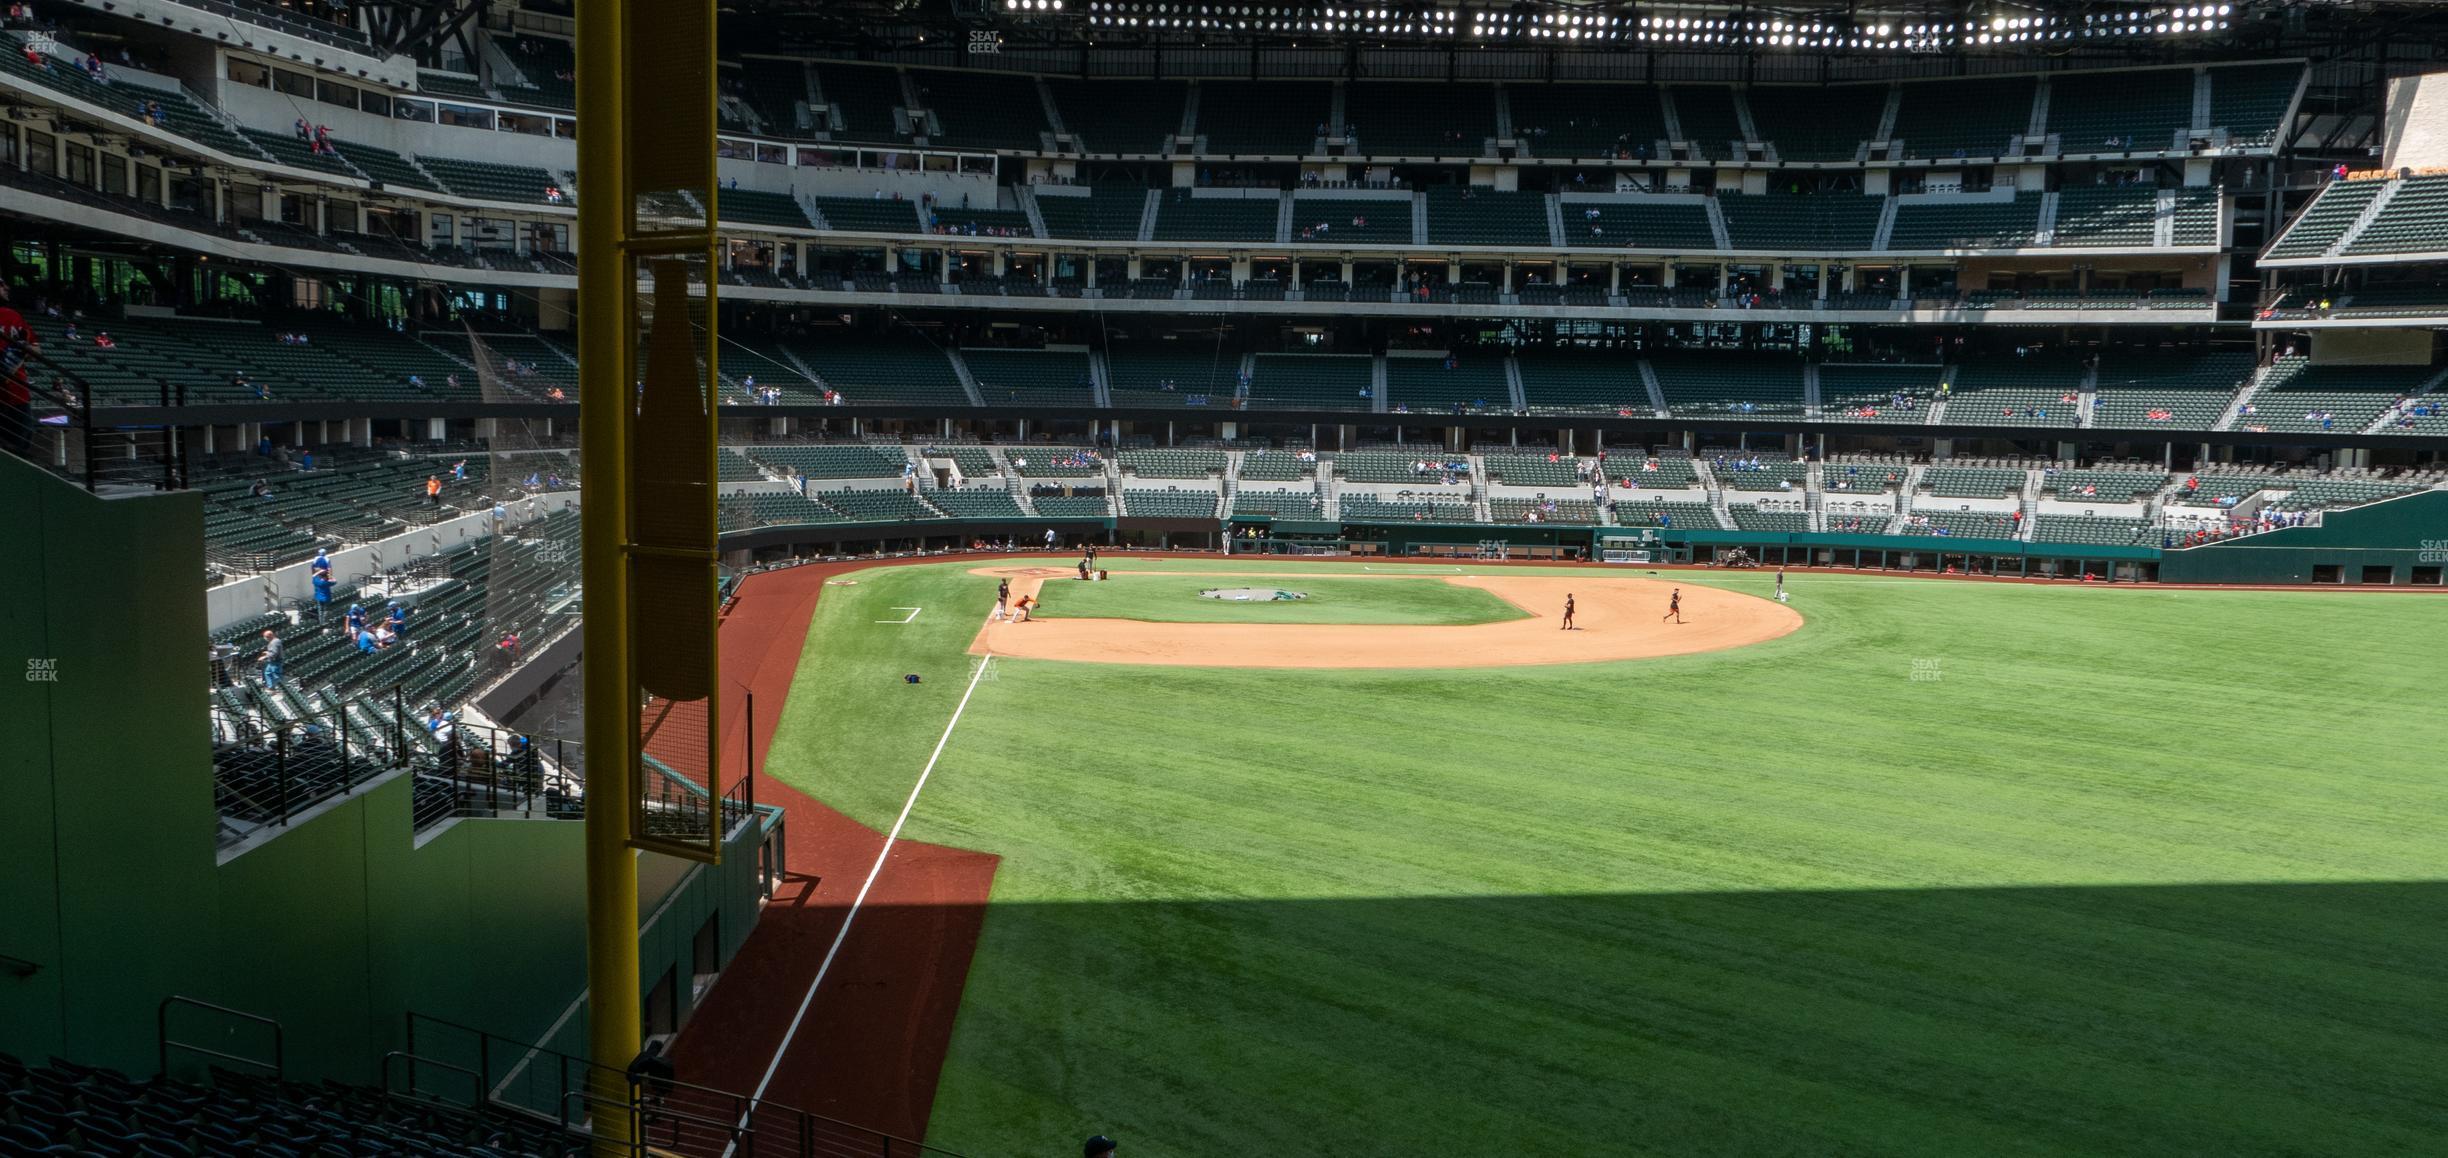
(2121, 872)
(1164, 598)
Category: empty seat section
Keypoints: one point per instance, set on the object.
(1973, 482)
(1644, 223)
(1963, 118)
(452, 84)
(2104, 530)
(1530, 470)
(1726, 382)
(1707, 115)
(1418, 119)
(1172, 462)
(550, 66)
(757, 207)
(1593, 382)
(1475, 381)
(1170, 503)
(1311, 381)
(1281, 504)
(2181, 391)
(1958, 525)
(1817, 124)
(2101, 112)
(981, 110)
(866, 214)
(1073, 506)
(1750, 517)
(1985, 224)
(1588, 120)
(1877, 393)
(980, 222)
(1416, 508)
(2196, 216)
(1095, 212)
(1788, 222)
(1278, 117)
(184, 116)
(298, 154)
(1425, 469)
(879, 505)
(1181, 215)
(1466, 216)
(1031, 377)
(2090, 215)
(1351, 220)
(777, 90)
(832, 462)
(2413, 220)
(2297, 395)
(1663, 513)
(1160, 377)
(2250, 100)
(1121, 116)
(1275, 466)
(976, 503)
(380, 164)
(865, 98)
(2041, 391)
(1751, 472)
(2102, 486)
(521, 184)
(1575, 512)
(871, 370)
(2327, 218)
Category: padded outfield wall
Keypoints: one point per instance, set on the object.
(2408, 537)
(116, 897)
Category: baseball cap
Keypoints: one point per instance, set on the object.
(1098, 1147)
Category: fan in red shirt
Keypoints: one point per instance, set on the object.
(16, 396)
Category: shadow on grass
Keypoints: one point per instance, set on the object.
(2212, 1019)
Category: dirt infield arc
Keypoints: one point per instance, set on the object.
(1616, 618)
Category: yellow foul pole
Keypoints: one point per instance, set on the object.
(605, 283)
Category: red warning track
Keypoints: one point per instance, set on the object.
(874, 1039)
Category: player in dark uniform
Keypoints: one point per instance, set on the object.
(1568, 611)
(1674, 606)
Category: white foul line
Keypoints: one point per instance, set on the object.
(912, 617)
(872, 873)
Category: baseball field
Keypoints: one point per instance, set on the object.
(1904, 867)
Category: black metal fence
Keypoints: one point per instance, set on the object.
(59, 432)
(271, 768)
(447, 1061)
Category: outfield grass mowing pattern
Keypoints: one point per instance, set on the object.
(2121, 872)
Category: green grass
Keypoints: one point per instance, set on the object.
(2138, 872)
(1175, 599)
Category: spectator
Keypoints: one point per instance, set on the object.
(16, 389)
(271, 659)
(433, 490)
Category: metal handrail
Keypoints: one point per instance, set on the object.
(162, 1028)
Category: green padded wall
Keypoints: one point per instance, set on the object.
(2399, 534)
(336, 927)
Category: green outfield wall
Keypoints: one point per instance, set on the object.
(2402, 541)
(115, 895)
